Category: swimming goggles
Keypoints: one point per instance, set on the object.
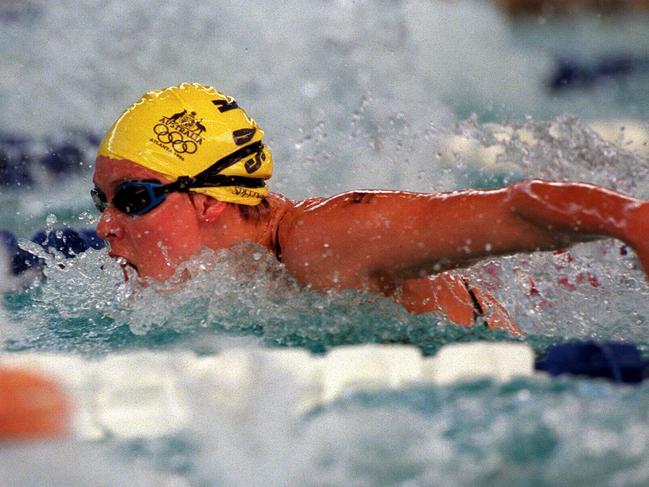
(134, 198)
(138, 197)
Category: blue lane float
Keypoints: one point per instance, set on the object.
(618, 362)
(67, 241)
(569, 74)
(24, 160)
(63, 158)
(19, 260)
(14, 161)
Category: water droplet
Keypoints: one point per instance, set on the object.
(51, 220)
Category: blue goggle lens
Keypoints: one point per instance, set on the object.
(134, 198)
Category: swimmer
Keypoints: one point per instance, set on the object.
(167, 188)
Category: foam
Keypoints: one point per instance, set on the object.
(626, 134)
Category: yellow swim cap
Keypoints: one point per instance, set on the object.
(194, 133)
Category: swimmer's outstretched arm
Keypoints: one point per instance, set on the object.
(378, 239)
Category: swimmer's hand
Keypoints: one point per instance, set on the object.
(637, 233)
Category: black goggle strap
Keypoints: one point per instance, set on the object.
(210, 177)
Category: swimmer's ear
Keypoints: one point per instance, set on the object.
(208, 209)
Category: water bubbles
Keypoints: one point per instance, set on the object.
(50, 221)
(87, 306)
(311, 89)
(88, 218)
(164, 249)
(492, 155)
(35, 249)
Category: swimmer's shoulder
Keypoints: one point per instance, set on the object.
(317, 213)
(326, 210)
(282, 215)
(285, 214)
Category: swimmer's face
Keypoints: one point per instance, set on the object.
(156, 242)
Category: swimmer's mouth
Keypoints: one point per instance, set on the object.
(127, 267)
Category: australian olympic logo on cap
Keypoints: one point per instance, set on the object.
(180, 133)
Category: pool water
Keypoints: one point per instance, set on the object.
(413, 95)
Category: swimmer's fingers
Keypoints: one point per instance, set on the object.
(495, 313)
(636, 226)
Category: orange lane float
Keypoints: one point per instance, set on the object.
(31, 406)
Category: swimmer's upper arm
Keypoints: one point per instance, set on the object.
(360, 239)
(375, 239)
(319, 244)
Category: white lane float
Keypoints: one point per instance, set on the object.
(468, 361)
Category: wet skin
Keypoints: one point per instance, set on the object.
(156, 243)
(381, 241)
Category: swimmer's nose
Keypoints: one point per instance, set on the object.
(110, 226)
